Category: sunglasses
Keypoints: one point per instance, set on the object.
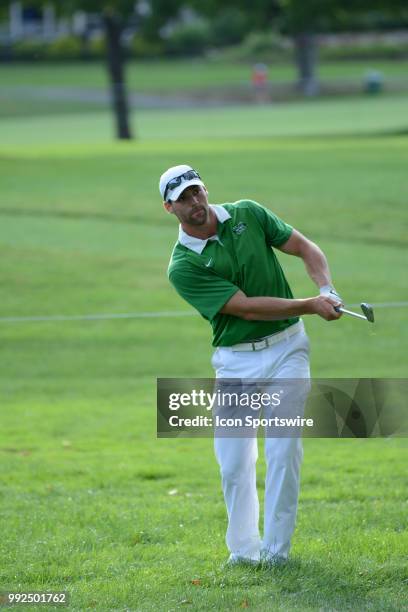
(175, 182)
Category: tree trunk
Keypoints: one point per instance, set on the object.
(116, 73)
(306, 61)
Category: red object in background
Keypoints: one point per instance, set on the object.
(259, 75)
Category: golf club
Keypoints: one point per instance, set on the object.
(368, 312)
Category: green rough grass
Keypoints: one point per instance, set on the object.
(85, 484)
(99, 520)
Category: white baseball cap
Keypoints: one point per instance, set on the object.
(176, 179)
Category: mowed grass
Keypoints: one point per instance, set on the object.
(43, 89)
(92, 502)
(148, 76)
(201, 127)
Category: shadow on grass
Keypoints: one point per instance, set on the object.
(308, 583)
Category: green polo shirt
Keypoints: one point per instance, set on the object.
(241, 258)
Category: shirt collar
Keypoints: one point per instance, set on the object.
(197, 244)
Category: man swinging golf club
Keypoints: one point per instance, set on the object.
(224, 265)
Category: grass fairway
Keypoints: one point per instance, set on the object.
(172, 133)
(183, 74)
(73, 88)
(91, 501)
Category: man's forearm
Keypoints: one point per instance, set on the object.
(275, 309)
(262, 308)
(316, 265)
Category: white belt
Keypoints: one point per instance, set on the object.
(263, 343)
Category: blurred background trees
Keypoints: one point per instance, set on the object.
(250, 30)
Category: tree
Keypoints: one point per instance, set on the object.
(113, 28)
(115, 14)
(298, 18)
(302, 20)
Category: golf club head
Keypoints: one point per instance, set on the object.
(368, 311)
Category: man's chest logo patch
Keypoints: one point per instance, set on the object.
(238, 229)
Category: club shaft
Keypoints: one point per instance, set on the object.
(353, 314)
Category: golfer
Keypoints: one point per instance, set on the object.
(224, 264)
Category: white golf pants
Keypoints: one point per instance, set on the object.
(237, 456)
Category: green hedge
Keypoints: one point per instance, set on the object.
(374, 51)
(189, 39)
(194, 40)
(27, 50)
(67, 48)
(259, 47)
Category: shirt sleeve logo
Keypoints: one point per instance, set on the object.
(209, 263)
(238, 229)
